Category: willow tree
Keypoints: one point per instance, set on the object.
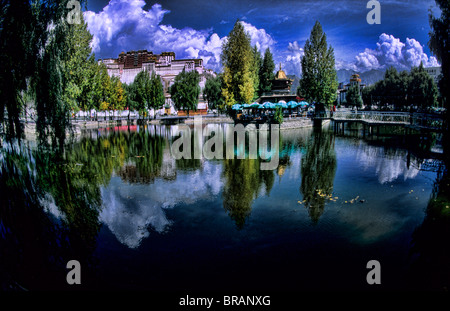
(319, 78)
(35, 45)
(238, 63)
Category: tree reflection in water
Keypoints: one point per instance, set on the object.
(318, 168)
(36, 244)
(430, 241)
(243, 180)
(35, 248)
(51, 212)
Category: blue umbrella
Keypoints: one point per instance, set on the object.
(282, 105)
(267, 105)
(236, 107)
(255, 105)
(293, 104)
(245, 106)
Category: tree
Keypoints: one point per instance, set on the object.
(353, 96)
(78, 67)
(255, 67)
(392, 90)
(367, 94)
(103, 88)
(33, 47)
(117, 97)
(422, 90)
(266, 74)
(130, 91)
(142, 86)
(319, 79)
(416, 88)
(156, 98)
(439, 44)
(318, 170)
(213, 92)
(243, 182)
(238, 62)
(185, 90)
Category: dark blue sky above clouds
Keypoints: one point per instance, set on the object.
(197, 28)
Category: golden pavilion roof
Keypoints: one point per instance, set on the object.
(281, 75)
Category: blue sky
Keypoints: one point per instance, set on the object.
(198, 28)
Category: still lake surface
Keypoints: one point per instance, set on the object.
(117, 201)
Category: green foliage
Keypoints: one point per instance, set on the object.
(319, 78)
(266, 73)
(104, 88)
(255, 66)
(131, 93)
(422, 89)
(239, 67)
(439, 44)
(403, 89)
(145, 92)
(52, 62)
(156, 96)
(318, 169)
(142, 86)
(78, 67)
(353, 96)
(22, 36)
(117, 97)
(243, 181)
(213, 92)
(185, 90)
(278, 116)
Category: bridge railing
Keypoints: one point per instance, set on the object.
(373, 117)
(427, 120)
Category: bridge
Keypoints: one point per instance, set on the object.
(373, 119)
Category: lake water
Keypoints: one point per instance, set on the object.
(135, 217)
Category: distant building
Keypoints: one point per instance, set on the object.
(281, 89)
(129, 64)
(343, 88)
(434, 72)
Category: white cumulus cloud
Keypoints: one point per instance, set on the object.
(391, 51)
(259, 37)
(292, 59)
(124, 25)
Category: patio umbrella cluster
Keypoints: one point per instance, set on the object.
(269, 105)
